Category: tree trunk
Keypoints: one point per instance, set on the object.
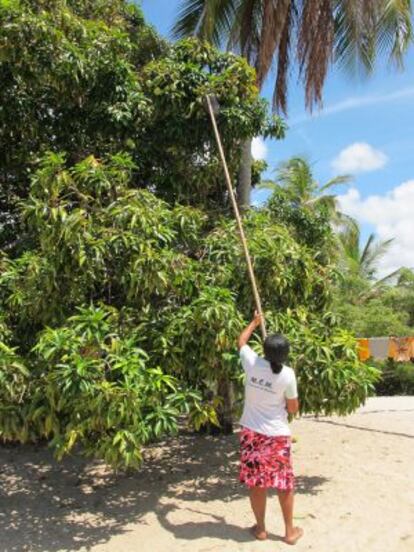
(244, 180)
(224, 391)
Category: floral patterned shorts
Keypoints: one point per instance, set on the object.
(265, 461)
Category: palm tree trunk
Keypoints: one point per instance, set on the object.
(244, 180)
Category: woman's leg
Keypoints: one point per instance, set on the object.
(292, 534)
(258, 497)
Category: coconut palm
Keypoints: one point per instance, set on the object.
(295, 177)
(362, 260)
(314, 33)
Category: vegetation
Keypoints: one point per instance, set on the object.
(368, 306)
(125, 312)
(370, 310)
(296, 179)
(92, 78)
(362, 260)
(396, 378)
(122, 287)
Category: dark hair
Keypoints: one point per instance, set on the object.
(276, 350)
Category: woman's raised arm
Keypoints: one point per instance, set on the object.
(247, 332)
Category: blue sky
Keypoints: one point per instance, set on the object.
(366, 127)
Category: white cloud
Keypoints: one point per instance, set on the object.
(359, 157)
(356, 102)
(363, 101)
(259, 148)
(392, 217)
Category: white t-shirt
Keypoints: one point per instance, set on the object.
(265, 395)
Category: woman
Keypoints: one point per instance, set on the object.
(265, 442)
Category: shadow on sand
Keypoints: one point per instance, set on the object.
(47, 506)
(362, 428)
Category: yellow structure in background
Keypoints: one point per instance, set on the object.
(363, 349)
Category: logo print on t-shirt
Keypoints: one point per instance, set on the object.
(261, 383)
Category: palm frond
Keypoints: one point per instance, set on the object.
(279, 100)
(273, 24)
(267, 185)
(190, 13)
(355, 30)
(209, 20)
(386, 279)
(365, 28)
(315, 45)
(337, 181)
(375, 251)
(295, 174)
(244, 33)
(366, 251)
(349, 239)
(350, 33)
(327, 201)
(345, 223)
(395, 31)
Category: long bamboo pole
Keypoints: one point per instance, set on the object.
(237, 215)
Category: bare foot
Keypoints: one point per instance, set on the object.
(258, 534)
(294, 536)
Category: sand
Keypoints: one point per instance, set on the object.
(355, 493)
